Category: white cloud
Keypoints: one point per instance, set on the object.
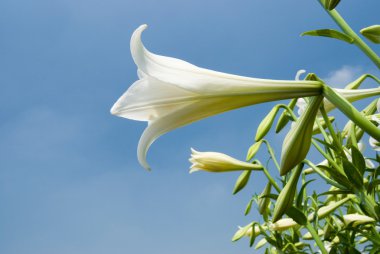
(341, 77)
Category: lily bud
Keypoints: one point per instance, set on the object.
(356, 219)
(218, 162)
(266, 124)
(242, 181)
(261, 243)
(247, 231)
(297, 142)
(308, 235)
(372, 33)
(264, 201)
(326, 210)
(283, 224)
(253, 150)
(286, 197)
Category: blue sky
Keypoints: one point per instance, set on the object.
(69, 177)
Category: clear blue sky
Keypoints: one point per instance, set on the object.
(69, 177)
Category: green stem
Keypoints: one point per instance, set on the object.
(351, 112)
(316, 237)
(321, 174)
(270, 150)
(271, 180)
(350, 32)
(329, 127)
(330, 160)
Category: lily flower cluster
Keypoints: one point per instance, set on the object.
(171, 93)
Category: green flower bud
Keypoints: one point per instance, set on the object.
(242, 181)
(266, 124)
(253, 150)
(298, 140)
(286, 197)
(264, 201)
(326, 210)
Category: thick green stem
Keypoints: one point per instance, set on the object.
(351, 112)
(350, 32)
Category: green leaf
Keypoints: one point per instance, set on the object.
(242, 181)
(335, 192)
(300, 195)
(248, 207)
(337, 176)
(353, 174)
(330, 33)
(358, 159)
(372, 33)
(297, 215)
(253, 236)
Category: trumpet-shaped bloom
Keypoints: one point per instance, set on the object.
(171, 93)
(218, 162)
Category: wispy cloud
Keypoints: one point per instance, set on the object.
(341, 77)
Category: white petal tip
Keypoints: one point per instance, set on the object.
(299, 73)
(192, 170)
(114, 110)
(193, 151)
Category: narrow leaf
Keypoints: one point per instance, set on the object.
(372, 33)
(330, 33)
(297, 215)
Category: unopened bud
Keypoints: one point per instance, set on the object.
(283, 224)
(218, 162)
(286, 197)
(298, 140)
(356, 219)
(264, 200)
(266, 124)
(308, 236)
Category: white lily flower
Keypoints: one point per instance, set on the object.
(172, 93)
